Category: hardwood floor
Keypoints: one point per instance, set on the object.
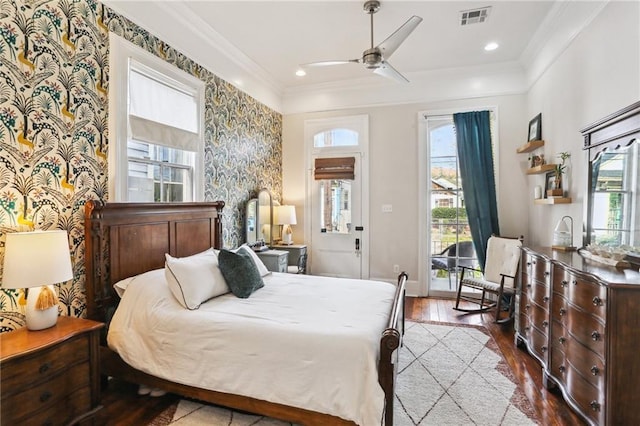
(122, 405)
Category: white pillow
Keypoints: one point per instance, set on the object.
(121, 286)
(259, 264)
(195, 279)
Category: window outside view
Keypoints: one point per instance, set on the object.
(450, 237)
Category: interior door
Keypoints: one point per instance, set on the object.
(337, 229)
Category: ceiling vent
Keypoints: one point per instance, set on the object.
(474, 16)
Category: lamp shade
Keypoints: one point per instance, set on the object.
(286, 215)
(36, 258)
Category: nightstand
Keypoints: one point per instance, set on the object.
(274, 260)
(51, 376)
(295, 251)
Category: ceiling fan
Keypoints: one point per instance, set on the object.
(376, 57)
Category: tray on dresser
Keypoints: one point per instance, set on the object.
(605, 260)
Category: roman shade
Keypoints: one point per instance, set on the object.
(162, 113)
(334, 168)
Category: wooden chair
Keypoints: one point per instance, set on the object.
(498, 278)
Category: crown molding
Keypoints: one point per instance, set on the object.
(176, 24)
(564, 22)
(506, 78)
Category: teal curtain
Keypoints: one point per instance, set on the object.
(473, 135)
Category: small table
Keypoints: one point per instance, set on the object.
(274, 260)
(295, 252)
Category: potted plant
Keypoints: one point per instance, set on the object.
(558, 172)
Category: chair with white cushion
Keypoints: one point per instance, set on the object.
(498, 278)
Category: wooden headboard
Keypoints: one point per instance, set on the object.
(127, 239)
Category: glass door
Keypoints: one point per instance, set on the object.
(449, 237)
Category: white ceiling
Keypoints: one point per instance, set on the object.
(258, 45)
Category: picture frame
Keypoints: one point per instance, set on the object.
(535, 128)
(549, 180)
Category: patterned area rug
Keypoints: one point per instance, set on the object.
(449, 374)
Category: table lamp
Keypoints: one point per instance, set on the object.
(37, 260)
(563, 235)
(286, 216)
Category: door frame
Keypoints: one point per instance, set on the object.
(424, 213)
(314, 126)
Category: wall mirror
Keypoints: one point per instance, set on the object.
(612, 204)
(259, 222)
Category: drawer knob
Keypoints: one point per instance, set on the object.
(562, 368)
(595, 335)
(45, 396)
(564, 283)
(528, 285)
(574, 282)
(562, 340)
(527, 328)
(562, 311)
(545, 299)
(597, 301)
(544, 348)
(545, 323)
(527, 307)
(528, 263)
(546, 273)
(44, 368)
(594, 406)
(595, 370)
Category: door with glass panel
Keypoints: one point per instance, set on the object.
(450, 245)
(338, 232)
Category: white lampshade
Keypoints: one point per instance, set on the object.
(37, 259)
(286, 215)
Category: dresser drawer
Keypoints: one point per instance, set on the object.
(558, 363)
(537, 268)
(589, 295)
(538, 293)
(47, 394)
(590, 366)
(589, 398)
(43, 365)
(537, 341)
(585, 328)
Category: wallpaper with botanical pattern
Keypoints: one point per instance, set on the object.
(54, 88)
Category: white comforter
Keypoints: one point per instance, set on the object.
(303, 341)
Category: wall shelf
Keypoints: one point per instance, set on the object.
(553, 200)
(541, 169)
(530, 146)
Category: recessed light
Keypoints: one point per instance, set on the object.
(491, 46)
(301, 73)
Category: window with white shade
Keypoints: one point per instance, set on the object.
(158, 124)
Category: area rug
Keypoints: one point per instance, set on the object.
(449, 374)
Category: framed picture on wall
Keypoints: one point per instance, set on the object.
(535, 128)
(549, 179)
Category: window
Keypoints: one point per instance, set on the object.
(158, 128)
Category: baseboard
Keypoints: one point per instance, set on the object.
(412, 287)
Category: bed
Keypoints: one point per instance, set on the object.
(128, 239)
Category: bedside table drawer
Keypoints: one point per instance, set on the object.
(43, 365)
(61, 413)
(48, 394)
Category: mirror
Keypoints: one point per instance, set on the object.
(612, 204)
(259, 223)
(614, 218)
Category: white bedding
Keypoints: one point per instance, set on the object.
(303, 341)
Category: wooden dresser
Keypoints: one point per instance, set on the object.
(581, 320)
(50, 377)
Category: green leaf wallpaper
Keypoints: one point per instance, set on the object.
(54, 88)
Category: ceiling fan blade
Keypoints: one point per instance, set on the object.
(386, 70)
(329, 63)
(388, 46)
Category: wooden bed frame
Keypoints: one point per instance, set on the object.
(126, 239)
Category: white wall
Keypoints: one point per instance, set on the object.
(394, 162)
(598, 74)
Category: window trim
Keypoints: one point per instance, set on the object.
(121, 51)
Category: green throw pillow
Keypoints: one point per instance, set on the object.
(240, 272)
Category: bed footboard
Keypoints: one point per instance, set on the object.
(390, 341)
